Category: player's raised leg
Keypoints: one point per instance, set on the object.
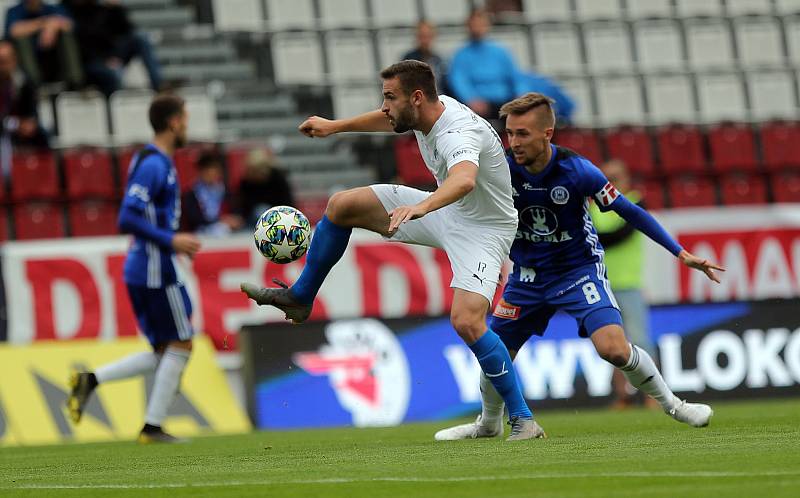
(355, 208)
(643, 374)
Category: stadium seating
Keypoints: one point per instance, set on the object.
(652, 192)
(691, 191)
(582, 140)
(643, 9)
(780, 142)
(681, 149)
(670, 98)
(88, 173)
(38, 220)
(608, 47)
(235, 162)
(634, 146)
(186, 163)
(34, 175)
(394, 13)
(743, 189)
(411, 167)
(4, 232)
(82, 118)
(771, 94)
(90, 218)
(659, 44)
(785, 186)
(732, 147)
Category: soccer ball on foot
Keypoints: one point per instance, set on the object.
(282, 234)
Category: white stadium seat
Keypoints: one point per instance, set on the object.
(619, 100)
(516, 40)
(669, 99)
(771, 95)
(297, 58)
(129, 121)
(352, 100)
(547, 10)
(579, 89)
(791, 27)
(343, 13)
(238, 15)
(642, 9)
(759, 41)
(449, 40)
(47, 117)
(588, 10)
(694, 8)
(350, 56)
(748, 7)
(446, 11)
(608, 47)
(709, 44)
(202, 114)
(394, 13)
(82, 118)
(557, 49)
(721, 97)
(784, 7)
(290, 14)
(394, 44)
(658, 44)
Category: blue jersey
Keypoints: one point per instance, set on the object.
(153, 195)
(555, 233)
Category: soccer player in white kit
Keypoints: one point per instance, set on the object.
(470, 215)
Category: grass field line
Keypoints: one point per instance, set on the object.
(338, 480)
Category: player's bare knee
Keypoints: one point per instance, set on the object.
(615, 353)
(337, 208)
(467, 327)
(182, 345)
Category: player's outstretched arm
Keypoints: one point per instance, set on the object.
(645, 223)
(460, 181)
(372, 121)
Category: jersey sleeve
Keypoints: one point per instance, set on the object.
(593, 183)
(144, 184)
(461, 145)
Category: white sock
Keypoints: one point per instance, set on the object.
(642, 373)
(165, 384)
(129, 366)
(492, 404)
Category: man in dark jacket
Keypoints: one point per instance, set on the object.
(262, 186)
(204, 206)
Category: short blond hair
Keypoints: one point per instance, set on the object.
(528, 102)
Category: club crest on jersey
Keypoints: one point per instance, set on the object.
(540, 220)
(506, 310)
(559, 195)
(606, 195)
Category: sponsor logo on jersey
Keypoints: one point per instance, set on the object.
(540, 220)
(514, 192)
(606, 195)
(461, 152)
(140, 192)
(506, 310)
(559, 195)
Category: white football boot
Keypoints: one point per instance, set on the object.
(525, 428)
(694, 414)
(470, 431)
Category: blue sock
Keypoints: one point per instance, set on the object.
(496, 363)
(327, 247)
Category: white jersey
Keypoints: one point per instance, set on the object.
(461, 135)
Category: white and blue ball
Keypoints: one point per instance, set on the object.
(282, 234)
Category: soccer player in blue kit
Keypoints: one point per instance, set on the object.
(151, 212)
(558, 263)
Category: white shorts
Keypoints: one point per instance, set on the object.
(476, 252)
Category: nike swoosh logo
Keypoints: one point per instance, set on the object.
(503, 371)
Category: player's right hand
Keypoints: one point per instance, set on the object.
(316, 126)
(701, 264)
(185, 243)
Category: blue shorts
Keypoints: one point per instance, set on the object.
(164, 314)
(527, 306)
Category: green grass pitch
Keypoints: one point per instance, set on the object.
(751, 449)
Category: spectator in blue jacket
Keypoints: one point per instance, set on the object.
(483, 74)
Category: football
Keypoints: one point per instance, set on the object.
(282, 234)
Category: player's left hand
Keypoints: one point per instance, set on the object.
(703, 265)
(402, 214)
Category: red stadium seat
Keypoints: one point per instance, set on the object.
(634, 147)
(313, 208)
(3, 225)
(732, 147)
(124, 157)
(584, 141)
(235, 162)
(186, 164)
(410, 166)
(34, 175)
(691, 191)
(680, 148)
(780, 143)
(786, 186)
(652, 191)
(38, 220)
(90, 218)
(88, 174)
(743, 188)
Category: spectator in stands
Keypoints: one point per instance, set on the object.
(47, 49)
(426, 34)
(18, 104)
(623, 246)
(482, 73)
(204, 207)
(263, 186)
(108, 41)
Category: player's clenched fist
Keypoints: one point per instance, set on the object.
(185, 243)
(316, 126)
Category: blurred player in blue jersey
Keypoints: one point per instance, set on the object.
(151, 212)
(558, 263)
